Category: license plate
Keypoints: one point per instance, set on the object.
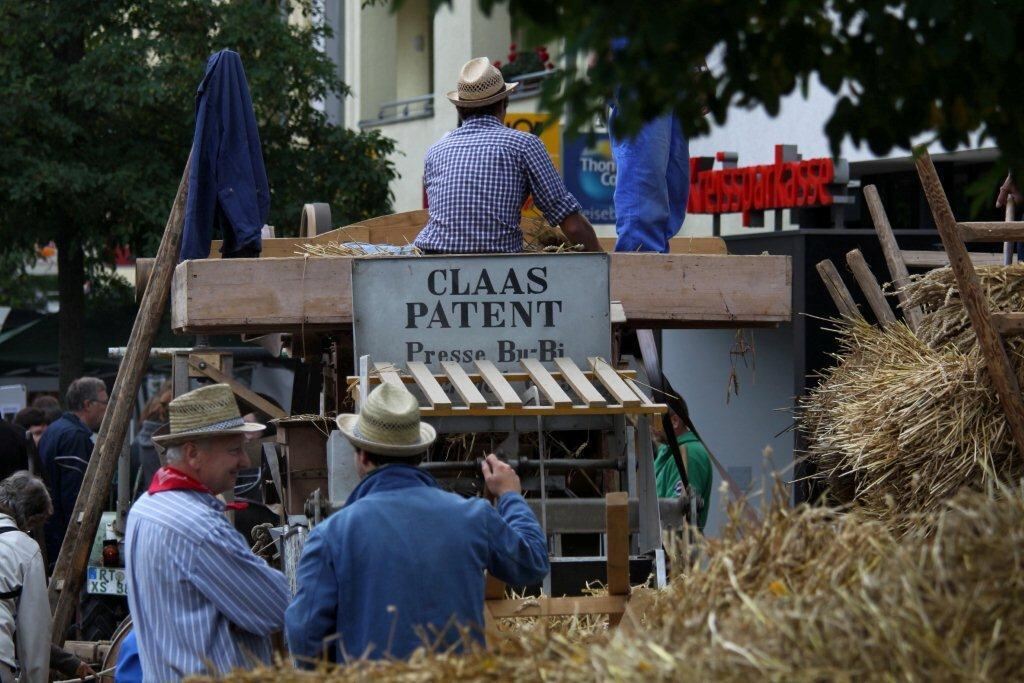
(106, 581)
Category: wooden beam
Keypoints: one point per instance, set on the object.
(893, 256)
(69, 571)
(215, 296)
(837, 289)
(608, 376)
(430, 387)
(587, 392)
(389, 374)
(467, 390)
(557, 607)
(498, 383)
(1009, 323)
(666, 290)
(240, 390)
(1001, 372)
(546, 383)
(939, 259)
(617, 526)
(869, 285)
(991, 231)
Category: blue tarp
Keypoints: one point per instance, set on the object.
(228, 192)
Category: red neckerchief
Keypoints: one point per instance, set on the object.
(170, 479)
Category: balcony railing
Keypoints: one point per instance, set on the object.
(402, 110)
(529, 84)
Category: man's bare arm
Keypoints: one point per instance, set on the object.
(579, 231)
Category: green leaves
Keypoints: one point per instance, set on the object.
(902, 69)
(97, 105)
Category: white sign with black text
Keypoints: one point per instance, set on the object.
(501, 308)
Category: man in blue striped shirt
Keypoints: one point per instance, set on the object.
(200, 600)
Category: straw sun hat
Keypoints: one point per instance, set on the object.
(388, 424)
(480, 84)
(205, 412)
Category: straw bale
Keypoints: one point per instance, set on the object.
(903, 420)
(805, 594)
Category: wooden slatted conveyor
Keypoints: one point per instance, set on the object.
(587, 398)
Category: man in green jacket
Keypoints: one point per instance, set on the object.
(697, 464)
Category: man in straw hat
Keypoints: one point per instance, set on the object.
(402, 563)
(478, 176)
(201, 601)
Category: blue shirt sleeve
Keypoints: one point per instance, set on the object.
(518, 549)
(245, 589)
(312, 615)
(546, 186)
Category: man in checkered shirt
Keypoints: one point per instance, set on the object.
(478, 176)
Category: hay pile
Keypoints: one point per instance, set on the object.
(904, 421)
(809, 594)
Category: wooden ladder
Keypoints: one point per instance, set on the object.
(989, 326)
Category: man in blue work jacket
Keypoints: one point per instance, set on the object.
(64, 450)
(403, 561)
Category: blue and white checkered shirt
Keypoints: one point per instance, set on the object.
(201, 601)
(477, 178)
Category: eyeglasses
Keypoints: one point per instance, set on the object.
(100, 402)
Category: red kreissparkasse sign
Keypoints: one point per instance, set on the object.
(781, 185)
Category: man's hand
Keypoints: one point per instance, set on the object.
(579, 231)
(1009, 189)
(84, 671)
(499, 477)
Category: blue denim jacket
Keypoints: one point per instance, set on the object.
(404, 558)
(228, 190)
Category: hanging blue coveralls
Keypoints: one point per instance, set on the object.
(652, 184)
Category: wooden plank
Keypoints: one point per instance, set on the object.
(458, 377)
(680, 245)
(869, 285)
(389, 374)
(266, 294)
(686, 290)
(557, 607)
(240, 390)
(69, 570)
(546, 383)
(893, 256)
(428, 384)
(587, 392)
(1002, 374)
(215, 296)
(837, 289)
(616, 313)
(939, 259)
(638, 391)
(608, 376)
(506, 395)
(617, 530)
(991, 231)
(1009, 323)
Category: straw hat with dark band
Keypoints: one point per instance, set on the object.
(203, 413)
(388, 424)
(480, 84)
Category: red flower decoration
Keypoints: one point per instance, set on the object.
(511, 56)
(512, 47)
(497, 64)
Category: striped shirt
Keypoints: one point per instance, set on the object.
(201, 601)
(477, 178)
